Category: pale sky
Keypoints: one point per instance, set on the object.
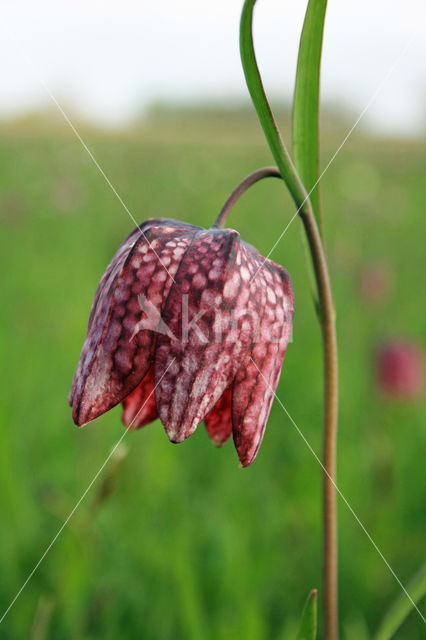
(110, 59)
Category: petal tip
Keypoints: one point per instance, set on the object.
(129, 427)
(175, 435)
(81, 417)
(243, 464)
(218, 442)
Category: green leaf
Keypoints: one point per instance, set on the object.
(308, 624)
(264, 112)
(402, 607)
(306, 102)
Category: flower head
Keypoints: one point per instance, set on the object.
(187, 325)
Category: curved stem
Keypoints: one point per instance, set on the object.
(252, 178)
(327, 316)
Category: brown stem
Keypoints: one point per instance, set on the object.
(265, 172)
(328, 326)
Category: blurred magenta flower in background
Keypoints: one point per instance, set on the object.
(374, 282)
(400, 369)
(187, 325)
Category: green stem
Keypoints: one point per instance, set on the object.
(327, 315)
(265, 115)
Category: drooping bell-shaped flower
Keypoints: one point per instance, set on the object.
(187, 325)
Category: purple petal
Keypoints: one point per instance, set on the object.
(257, 379)
(218, 421)
(139, 408)
(118, 349)
(193, 370)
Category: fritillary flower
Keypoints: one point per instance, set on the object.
(187, 325)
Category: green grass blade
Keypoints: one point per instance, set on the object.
(264, 112)
(308, 624)
(306, 101)
(402, 607)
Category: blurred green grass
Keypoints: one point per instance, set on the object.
(187, 545)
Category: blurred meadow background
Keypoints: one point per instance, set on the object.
(177, 541)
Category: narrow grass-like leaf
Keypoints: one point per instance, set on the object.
(264, 112)
(308, 624)
(402, 607)
(306, 102)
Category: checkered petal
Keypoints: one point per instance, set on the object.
(118, 349)
(257, 379)
(206, 311)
